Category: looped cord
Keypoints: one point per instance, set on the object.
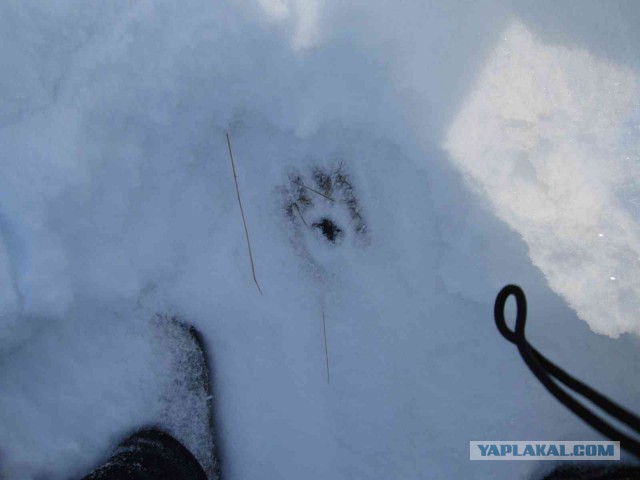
(550, 375)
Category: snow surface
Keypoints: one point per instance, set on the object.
(558, 156)
(487, 143)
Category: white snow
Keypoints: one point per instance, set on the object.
(548, 137)
(487, 144)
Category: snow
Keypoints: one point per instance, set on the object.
(486, 143)
(553, 154)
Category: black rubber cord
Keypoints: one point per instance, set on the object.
(548, 373)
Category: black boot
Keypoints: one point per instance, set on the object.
(180, 445)
(150, 455)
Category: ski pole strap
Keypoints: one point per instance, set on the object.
(551, 376)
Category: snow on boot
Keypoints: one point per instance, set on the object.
(188, 414)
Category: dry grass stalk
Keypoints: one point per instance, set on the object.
(315, 191)
(244, 222)
(326, 350)
(295, 205)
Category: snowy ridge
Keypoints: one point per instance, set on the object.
(556, 154)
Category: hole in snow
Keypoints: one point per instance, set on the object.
(323, 200)
(329, 229)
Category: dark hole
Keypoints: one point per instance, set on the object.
(328, 229)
